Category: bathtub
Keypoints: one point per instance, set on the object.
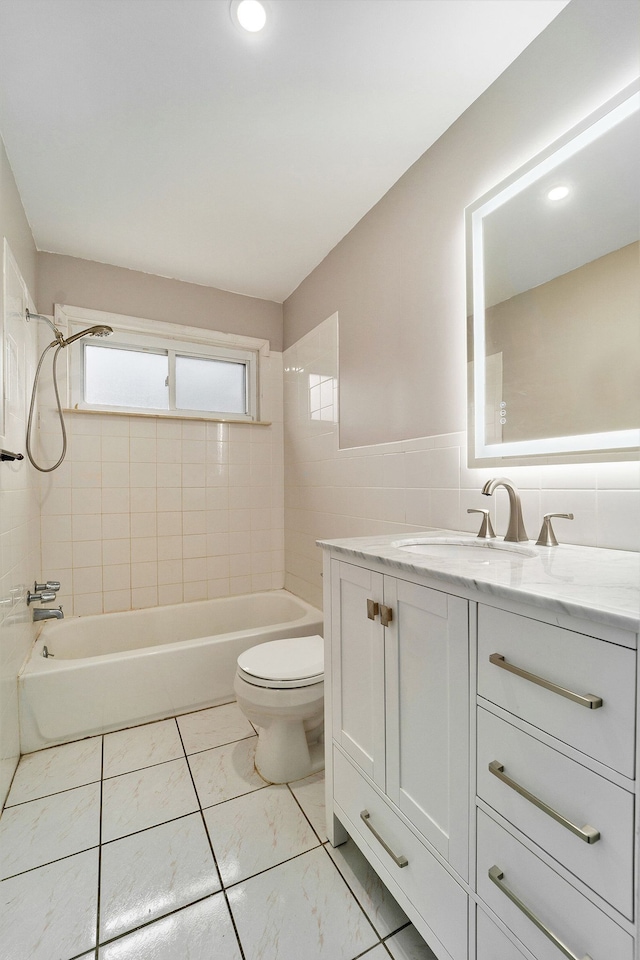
(117, 670)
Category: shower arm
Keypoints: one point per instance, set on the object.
(40, 316)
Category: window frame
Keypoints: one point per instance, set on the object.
(163, 338)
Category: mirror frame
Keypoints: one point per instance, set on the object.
(595, 125)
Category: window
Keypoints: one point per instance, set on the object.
(186, 373)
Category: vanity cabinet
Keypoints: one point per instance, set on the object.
(399, 729)
(482, 750)
(555, 785)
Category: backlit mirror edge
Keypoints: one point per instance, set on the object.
(589, 448)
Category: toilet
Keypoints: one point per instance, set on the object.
(279, 687)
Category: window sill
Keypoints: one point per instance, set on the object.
(167, 416)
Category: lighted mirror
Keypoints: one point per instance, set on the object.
(554, 298)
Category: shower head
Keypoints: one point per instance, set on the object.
(100, 330)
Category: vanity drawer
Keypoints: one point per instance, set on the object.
(569, 789)
(432, 890)
(492, 943)
(578, 663)
(580, 925)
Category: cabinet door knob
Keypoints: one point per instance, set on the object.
(386, 615)
(372, 609)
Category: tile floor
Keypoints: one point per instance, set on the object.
(162, 843)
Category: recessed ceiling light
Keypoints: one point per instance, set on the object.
(558, 193)
(251, 15)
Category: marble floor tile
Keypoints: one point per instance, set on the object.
(310, 795)
(138, 747)
(146, 798)
(376, 901)
(52, 911)
(225, 772)
(257, 831)
(378, 953)
(40, 831)
(213, 728)
(303, 901)
(58, 768)
(147, 875)
(409, 945)
(202, 931)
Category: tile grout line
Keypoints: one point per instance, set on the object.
(206, 830)
(150, 923)
(49, 863)
(183, 816)
(223, 888)
(45, 796)
(304, 814)
(99, 849)
(346, 883)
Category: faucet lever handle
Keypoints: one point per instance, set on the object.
(486, 531)
(49, 585)
(44, 596)
(547, 537)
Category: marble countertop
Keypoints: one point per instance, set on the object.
(589, 582)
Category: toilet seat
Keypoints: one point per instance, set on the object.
(284, 664)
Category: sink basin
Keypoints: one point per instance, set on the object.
(463, 548)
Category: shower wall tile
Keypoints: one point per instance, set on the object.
(147, 511)
(20, 533)
(407, 486)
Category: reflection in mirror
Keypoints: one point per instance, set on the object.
(554, 297)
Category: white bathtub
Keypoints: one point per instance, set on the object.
(120, 669)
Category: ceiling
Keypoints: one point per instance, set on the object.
(155, 135)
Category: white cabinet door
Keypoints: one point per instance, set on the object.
(358, 667)
(427, 688)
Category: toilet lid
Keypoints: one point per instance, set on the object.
(294, 661)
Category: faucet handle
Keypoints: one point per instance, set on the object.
(486, 531)
(49, 585)
(547, 537)
(44, 596)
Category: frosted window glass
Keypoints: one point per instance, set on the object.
(213, 385)
(126, 378)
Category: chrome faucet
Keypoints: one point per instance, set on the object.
(45, 593)
(516, 532)
(50, 613)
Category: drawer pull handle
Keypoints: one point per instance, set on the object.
(399, 861)
(372, 609)
(496, 875)
(586, 833)
(585, 700)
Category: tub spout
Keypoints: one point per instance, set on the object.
(51, 613)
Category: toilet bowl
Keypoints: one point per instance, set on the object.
(279, 687)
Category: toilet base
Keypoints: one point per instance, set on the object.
(290, 729)
(284, 755)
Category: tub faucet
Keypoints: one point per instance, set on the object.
(51, 613)
(516, 532)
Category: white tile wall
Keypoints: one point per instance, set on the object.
(19, 540)
(405, 486)
(147, 511)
